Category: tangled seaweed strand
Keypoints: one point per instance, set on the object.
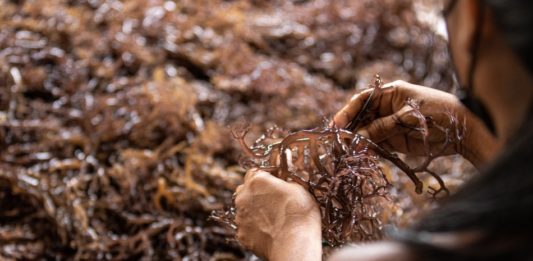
(341, 170)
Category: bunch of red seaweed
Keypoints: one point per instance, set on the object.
(341, 169)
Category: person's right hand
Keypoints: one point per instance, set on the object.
(392, 129)
(277, 220)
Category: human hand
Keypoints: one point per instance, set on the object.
(392, 129)
(277, 220)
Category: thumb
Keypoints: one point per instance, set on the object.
(350, 110)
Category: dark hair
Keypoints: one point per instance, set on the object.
(498, 203)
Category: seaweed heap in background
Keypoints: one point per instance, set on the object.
(349, 41)
(341, 169)
(112, 113)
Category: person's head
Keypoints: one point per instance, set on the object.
(490, 42)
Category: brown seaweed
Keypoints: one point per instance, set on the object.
(113, 113)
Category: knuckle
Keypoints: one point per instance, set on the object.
(251, 171)
(399, 86)
(379, 127)
(399, 83)
(259, 179)
(261, 173)
(255, 184)
(254, 176)
(406, 117)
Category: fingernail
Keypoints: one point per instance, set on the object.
(363, 132)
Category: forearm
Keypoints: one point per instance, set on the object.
(479, 145)
(373, 252)
(300, 244)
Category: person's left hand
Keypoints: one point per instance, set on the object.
(277, 219)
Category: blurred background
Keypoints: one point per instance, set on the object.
(114, 114)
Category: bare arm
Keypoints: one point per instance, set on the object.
(381, 251)
(304, 243)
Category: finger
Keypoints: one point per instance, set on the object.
(398, 84)
(380, 129)
(240, 202)
(386, 145)
(250, 173)
(385, 127)
(348, 112)
(356, 103)
(237, 191)
(363, 132)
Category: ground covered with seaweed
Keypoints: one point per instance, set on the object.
(114, 114)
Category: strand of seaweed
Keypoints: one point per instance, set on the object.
(341, 169)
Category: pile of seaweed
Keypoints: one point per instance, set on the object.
(113, 114)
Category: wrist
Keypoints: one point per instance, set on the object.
(478, 146)
(302, 242)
